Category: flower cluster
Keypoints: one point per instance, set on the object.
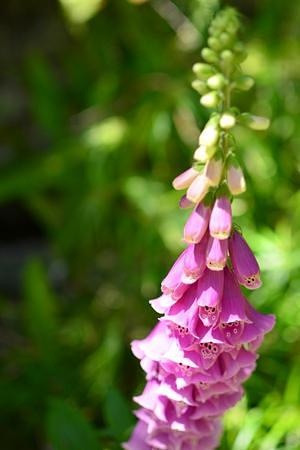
(205, 344)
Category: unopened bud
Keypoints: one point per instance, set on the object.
(209, 55)
(183, 180)
(235, 177)
(227, 56)
(227, 121)
(213, 169)
(244, 83)
(226, 39)
(198, 189)
(209, 136)
(204, 153)
(199, 86)
(214, 43)
(210, 100)
(203, 71)
(254, 122)
(216, 81)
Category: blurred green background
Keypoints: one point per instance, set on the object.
(97, 118)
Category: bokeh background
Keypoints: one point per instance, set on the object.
(97, 118)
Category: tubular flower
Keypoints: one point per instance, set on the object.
(205, 344)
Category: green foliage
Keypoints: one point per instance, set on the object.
(98, 117)
(68, 429)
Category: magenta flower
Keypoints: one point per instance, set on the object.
(216, 253)
(196, 224)
(221, 219)
(204, 346)
(244, 262)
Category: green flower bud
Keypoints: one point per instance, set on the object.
(199, 86)
(214, 43)
(210, 100)
(243, 82)
(226, 40)
(227, 121)
(209, 55)
(216, 81)
(203, 71)
(227, 56)
(254, 122)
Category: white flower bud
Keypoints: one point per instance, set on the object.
(203, 71)
(254, 122)
(216, 81)
(209, 136)
(204, 153)
(210, 100)
(227, 121)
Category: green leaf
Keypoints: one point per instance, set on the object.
(68, 429)
(39, 306)
(117, 414)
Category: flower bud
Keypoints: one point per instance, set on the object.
(213, 169)
(209, 136)
(198, 189)
(185, 179)
(214, 43)
(184, 203)
(254, 122)
(196, 224)
(199, 86)
(227, 121)
(216, 253)
(209, 55)
(210, 100)
(204, 153)
(203, 71)
(244, 262)
(244, 83)
(216, 81)
(235, 177)
(220, 222)
(226, 39)
(227, 56)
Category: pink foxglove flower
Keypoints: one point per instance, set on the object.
(196, 224)
(198, 189)
(220, 222)
(235, 180)
(216, 253)
(205, 344)
(184, 180)
(244, 262)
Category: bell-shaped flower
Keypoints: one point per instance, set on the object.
(216, 253)
(197, 224)
(243, 261)
(220, 222)
(210, 288)
(172, 284)
(194, 262)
